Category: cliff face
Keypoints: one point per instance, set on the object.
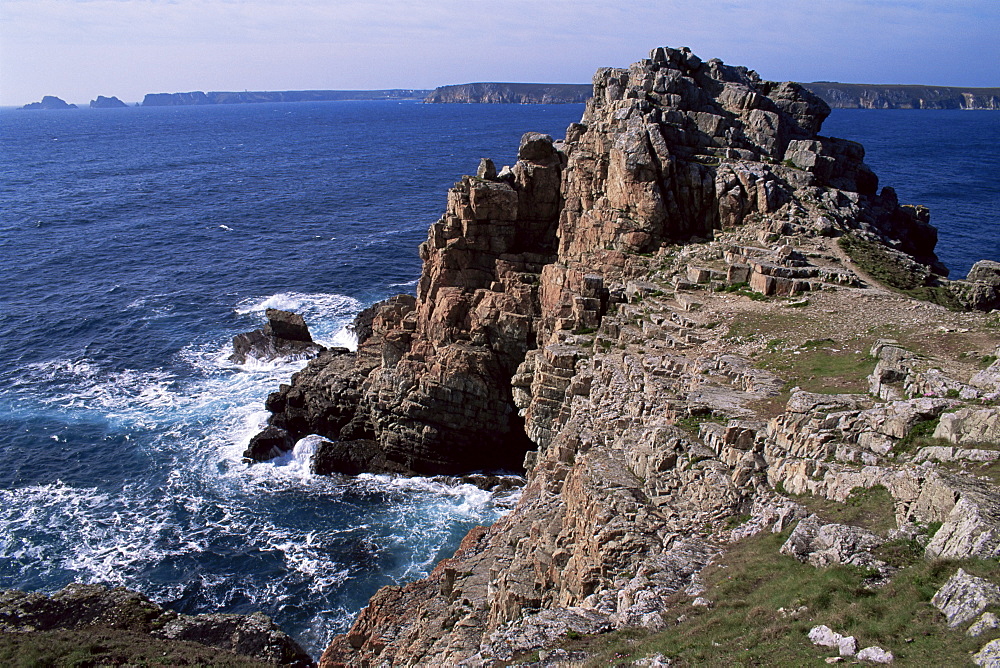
(871, 96)
(607, 310)
(511, 93)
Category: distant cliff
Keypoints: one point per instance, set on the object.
(252, 97)
(871, 96)
(512, 93)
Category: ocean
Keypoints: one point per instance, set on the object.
(134, 243)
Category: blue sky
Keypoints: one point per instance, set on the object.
(78, 49)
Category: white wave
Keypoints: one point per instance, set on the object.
(305, 304)
(407, 284)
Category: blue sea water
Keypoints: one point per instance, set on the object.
(134, 243)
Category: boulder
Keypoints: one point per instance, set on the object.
(875, 654)
(268, 444)
(825, 544)
(964, 596)
(989, 655)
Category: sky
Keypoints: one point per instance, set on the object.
(79, 49)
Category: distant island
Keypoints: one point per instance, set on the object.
(873, 96)
(512, 93)
(107, 103)
(256, 97)
(49, 102)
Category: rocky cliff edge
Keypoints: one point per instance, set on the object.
(675, 317)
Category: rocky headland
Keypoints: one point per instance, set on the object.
(511, 93)
(748, 403)
(836, 95)
(875, 96)
(49, 102)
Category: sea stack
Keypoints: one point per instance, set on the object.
(666, 319)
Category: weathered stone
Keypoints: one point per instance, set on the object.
(989, 655)
(964, 596)
(875, 654)
(986, 622)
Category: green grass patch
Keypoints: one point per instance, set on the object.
(752, 581)
(872, 508)
(913, 280)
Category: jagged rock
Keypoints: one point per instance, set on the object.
(93, 607)
(824, 544)
(989, 655)
(268, 444)
(847, 646)
(551, 326)
(970, 425)
(986, 622)
(284, 335)
(985, 271)
(964, 596)
(875, 654)
(824, 636)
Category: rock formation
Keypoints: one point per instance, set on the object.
(131, 627)
(511, 93)
(625, 311)
(284, 335)
(49, 102)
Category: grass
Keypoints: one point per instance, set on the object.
(911, 280)
(108, 647)
(752, 581)
(818, 366)
(871, 508)
(920, 436)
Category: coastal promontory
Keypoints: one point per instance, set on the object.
(510, 93)
(756, 419)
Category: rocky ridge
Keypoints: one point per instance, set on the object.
(624, 310)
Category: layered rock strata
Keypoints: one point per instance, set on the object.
(589, 311)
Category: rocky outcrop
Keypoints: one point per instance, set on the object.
(94, 609)
(49, 102)
(107, 103)
(875, 96)
(511, 93)
(587, 311)
(257, 97)
(284, 335)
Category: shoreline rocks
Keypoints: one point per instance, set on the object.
(95, 609)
